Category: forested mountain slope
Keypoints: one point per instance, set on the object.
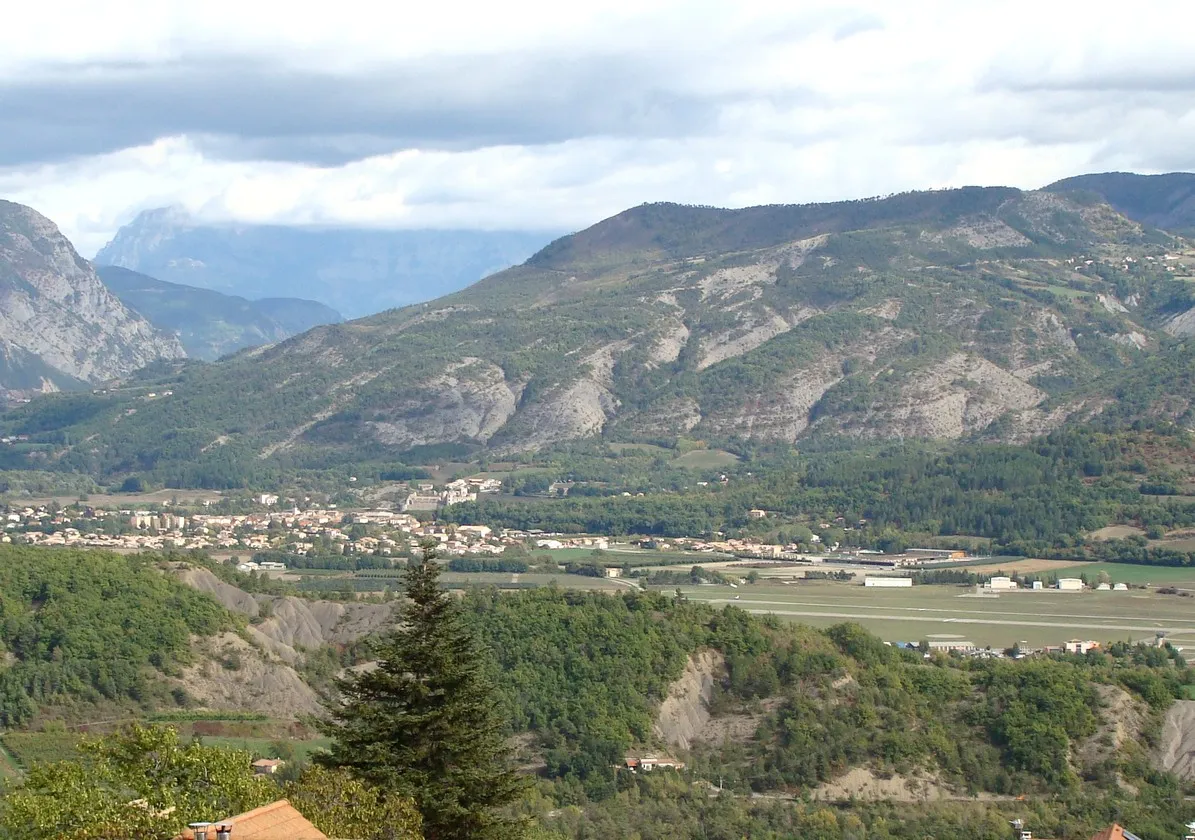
(946, 314)
(1163, 201)
(59, 326)
(210, 324)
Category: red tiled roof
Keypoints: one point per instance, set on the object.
(1114, 832)
(276, 821)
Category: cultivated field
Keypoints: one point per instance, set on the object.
(925, 612)
(1028, 566)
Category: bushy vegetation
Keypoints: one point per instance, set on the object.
(92, 626)
(585, 672)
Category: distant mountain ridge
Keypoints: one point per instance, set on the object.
(1163, 201)
(354, 271)
(976, 313)
(211, 324)
(60, 327)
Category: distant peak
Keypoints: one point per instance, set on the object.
(173, 215)
(147, 230)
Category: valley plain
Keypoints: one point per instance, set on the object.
(998, 621)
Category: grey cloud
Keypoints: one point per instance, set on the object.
(1161, 78)
(246, 109)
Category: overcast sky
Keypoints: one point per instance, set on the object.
(554, 115)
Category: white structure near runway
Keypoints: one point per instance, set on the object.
(1000, 584)
(891, 582)
(1070, 584)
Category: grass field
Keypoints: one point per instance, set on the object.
(29, 748)
(21, 750)
(705, 459)
(1185, 544)
(1116, 532)
(158, 497)
(923, 612)
(268, 748)
(1132, 573)
(9, 769)
(526, 581)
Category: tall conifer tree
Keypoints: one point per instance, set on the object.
(425, 724)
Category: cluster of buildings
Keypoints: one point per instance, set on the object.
(553, 543)
(1022, 649)
(648, 763)
(425, 496)
(301, 532)
(1002, 583)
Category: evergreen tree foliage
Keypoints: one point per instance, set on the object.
(425, 723)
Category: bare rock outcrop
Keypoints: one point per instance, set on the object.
(577, 410)
(470, 400)
(1182, 324)
(291, 624)
(955, 397)
(233, 675)
(685, 711)
(861, 783)
(59, 325)
(1176, 752)
(230, 597)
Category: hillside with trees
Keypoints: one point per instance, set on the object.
(942, 315)
(210, 324)
(93, 629)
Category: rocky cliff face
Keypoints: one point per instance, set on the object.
(951, 314)
(59, 325)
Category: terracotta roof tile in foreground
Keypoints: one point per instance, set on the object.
(1115, 832)
(276, 821)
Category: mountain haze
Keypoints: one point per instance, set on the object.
(1163, 201)
(210, 324)
(354, 271)
(60, 327)
(948, 314)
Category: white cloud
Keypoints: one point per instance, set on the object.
(535, 114)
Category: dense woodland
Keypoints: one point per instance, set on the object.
(83, 627)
